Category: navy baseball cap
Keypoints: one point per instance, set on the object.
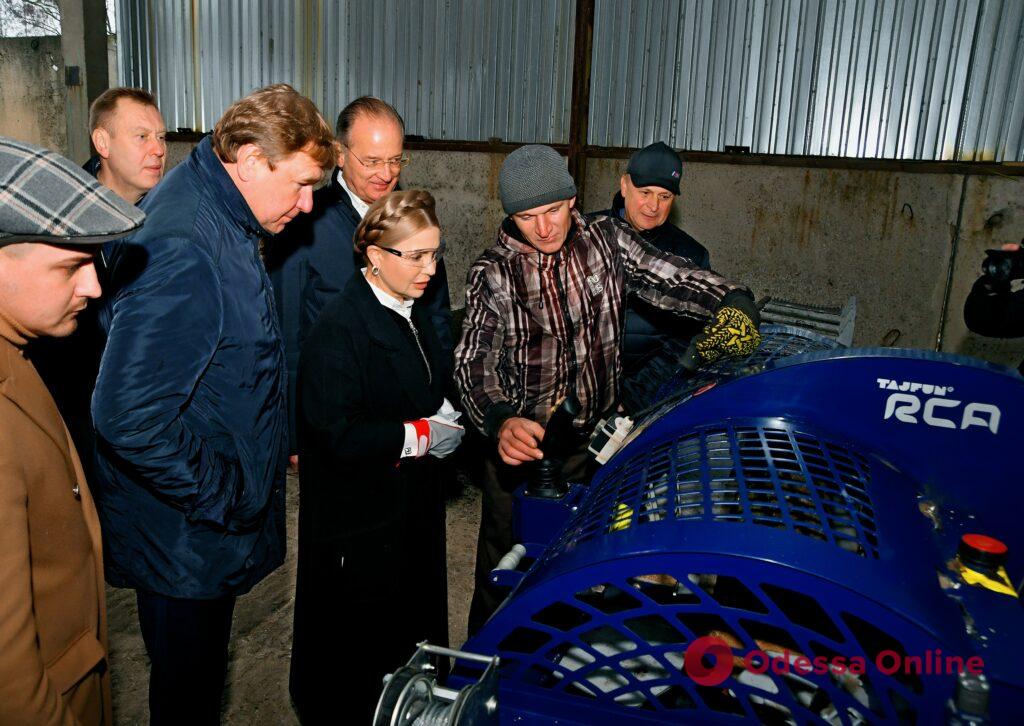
(655, 166)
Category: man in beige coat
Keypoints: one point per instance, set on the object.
(53, 653)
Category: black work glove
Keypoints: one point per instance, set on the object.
(731, 332)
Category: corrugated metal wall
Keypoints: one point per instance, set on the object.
(155, 51)
(198, 57)
(910, 79)
(242, 46)
(455, 69)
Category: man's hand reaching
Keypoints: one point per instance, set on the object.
(733, 331)
(518, 441)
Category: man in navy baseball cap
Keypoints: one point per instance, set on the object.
(646, 194)
(655, 166)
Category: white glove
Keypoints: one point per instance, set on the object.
(444, 436)
(447, 412)
(438, 435)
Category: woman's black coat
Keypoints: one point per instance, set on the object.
(371, 570)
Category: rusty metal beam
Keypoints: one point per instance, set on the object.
(493, 146)
(497, 146)
(827, 162)
(413, 143)
(579, 112)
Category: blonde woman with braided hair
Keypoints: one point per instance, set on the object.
(373, 422)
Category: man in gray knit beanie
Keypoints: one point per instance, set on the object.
(534, 175)
(543, 323)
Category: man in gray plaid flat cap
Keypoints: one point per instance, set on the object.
(53, 630)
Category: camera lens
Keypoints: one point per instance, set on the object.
(997, 268)
(1004, 266)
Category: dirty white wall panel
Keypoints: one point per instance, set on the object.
(199, 57)
(455, 69)
(156, 54)
(32, 91)
(243, 45)
(994, 127)
(908, 79)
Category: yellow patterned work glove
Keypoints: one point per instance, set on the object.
(732, 332)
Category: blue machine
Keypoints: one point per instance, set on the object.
(780, 539)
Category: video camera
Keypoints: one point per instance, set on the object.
(1003, 265)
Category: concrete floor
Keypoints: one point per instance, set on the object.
(257, 685)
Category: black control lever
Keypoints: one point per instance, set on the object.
(560, 439)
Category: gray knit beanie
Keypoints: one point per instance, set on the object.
(534, 175)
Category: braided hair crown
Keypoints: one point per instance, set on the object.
(395, 217)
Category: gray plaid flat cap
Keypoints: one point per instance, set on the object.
(44, 197)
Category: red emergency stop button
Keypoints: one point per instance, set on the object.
(981, 552)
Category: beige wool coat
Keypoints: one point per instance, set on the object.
(53, 629)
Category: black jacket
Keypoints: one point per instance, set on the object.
(69, 365)
(189, 404)
(647, 327)
(310, 262)
(93, 165)
(371, 569)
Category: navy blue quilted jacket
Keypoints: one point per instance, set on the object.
(189, 407)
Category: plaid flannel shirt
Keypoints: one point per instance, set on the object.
(520, 353)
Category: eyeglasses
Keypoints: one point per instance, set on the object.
(377, 164)
(417, 258)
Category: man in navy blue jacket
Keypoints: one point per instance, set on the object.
(313, 260)
(189, 405)
(646, 193)
(127, 129)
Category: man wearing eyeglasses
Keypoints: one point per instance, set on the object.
(311, 262)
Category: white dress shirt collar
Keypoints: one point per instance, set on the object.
(402, 308)
(360, 206)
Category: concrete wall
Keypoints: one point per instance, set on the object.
(177, 151)
(821, 235)
(32, 92)
(993, 214)
(33, 97)
(810, 235)
(465, 186)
